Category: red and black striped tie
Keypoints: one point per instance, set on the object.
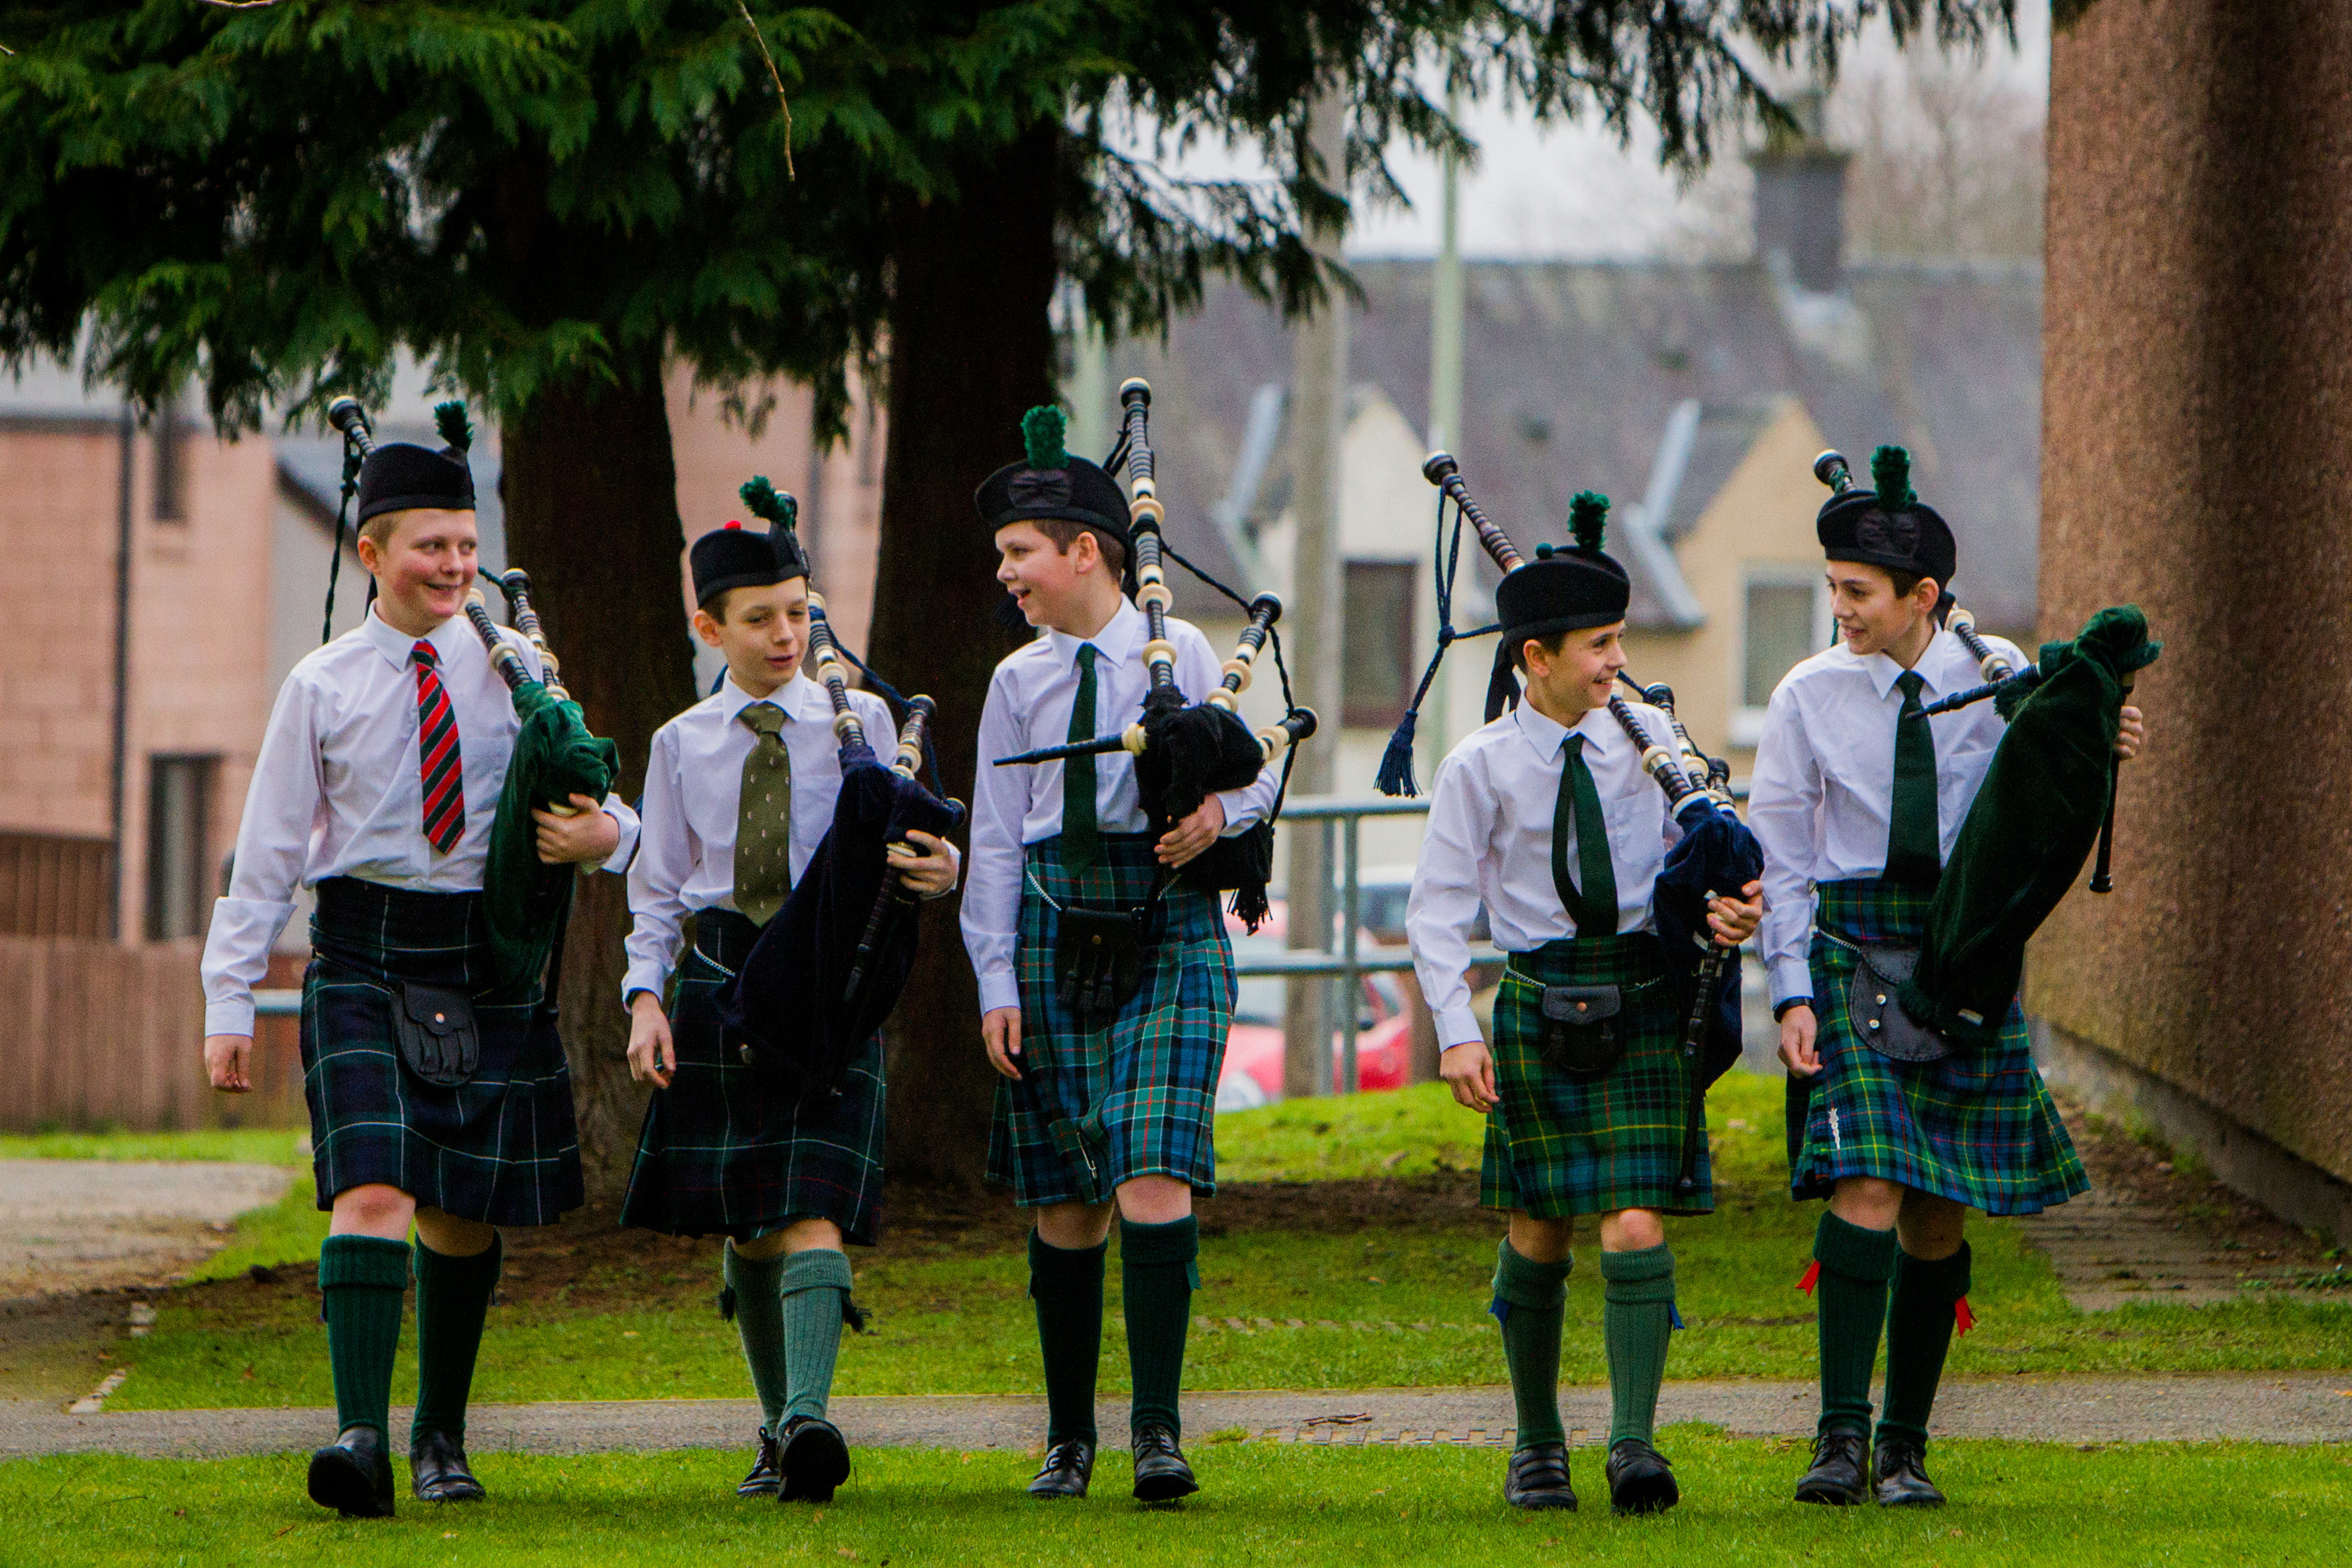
(436, 752)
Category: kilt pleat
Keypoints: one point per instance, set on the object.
(721, 1153)
(1138, 1096)
(1978, 1127)
(501, 1148)
(1558, 1143)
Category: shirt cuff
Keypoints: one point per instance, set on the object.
(1459, 1027)
(625, 850)
(637, 980)
(1790, 977)
(233, 1016)
(1241, 812)
(999, 990)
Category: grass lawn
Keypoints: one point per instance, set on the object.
(2019, 1504)
(625, 1316)
(244, 1145)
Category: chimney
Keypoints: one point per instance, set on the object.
(1800, 199)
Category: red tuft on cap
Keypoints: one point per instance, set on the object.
(734, 522)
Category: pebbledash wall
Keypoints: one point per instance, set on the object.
(2197, 457)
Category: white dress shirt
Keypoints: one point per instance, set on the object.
(693, 791)
(1489, 839)
(336, 792)
(1029, 702)
(1822, 795)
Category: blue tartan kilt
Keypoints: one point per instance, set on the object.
(722, 1154)
(1977, 1127)
(1137, 1097)
(502, 1147)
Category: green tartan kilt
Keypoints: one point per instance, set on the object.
(502, 1147)
(1137, 1097)
(1978, 1127)
(1558, 1143)
(721, 1154)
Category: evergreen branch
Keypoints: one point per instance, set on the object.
(773, 76)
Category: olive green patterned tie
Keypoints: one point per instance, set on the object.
(1914, 844)
(763, 817)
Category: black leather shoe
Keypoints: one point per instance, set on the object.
(1902, 1467)
(812, 1458)
(1640, 1479)
(352, 1475)
(1161, 1473)
(1841, 1472)
(437, 1470)
(1068, 1467)
(764, 1477)
(1538, 1478)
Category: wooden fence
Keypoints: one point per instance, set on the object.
(54, 885)
(108, 1035)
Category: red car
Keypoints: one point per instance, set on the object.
(1252, 1076)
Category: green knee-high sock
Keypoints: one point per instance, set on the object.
(754, 1294)
(453, 1297)
(363, 1279)
(815, 1286)
(1066, 1284)
(1637, 1320)
(1919, 1312)
(1855, 1265)
(1529, 1299)
(1158, 1269)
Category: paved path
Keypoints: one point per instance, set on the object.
(2280, 1408)
(89, 1225)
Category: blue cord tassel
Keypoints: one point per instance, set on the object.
(1396, 763)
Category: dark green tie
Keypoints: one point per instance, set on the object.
(1081, 835)
(1913, 845)
(1594, 909)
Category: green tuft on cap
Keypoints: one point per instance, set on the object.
(1042, 429)
(1588, 519)
(455, 429)
(768, 502)
(1890, 471)
(1543, 551)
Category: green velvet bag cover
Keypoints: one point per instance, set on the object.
(554, 757)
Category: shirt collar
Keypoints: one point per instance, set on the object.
(1543, 735)
(1934, 667)
(799, 697)
(1117, 640)
(396, 645)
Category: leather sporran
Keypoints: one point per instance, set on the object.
(1098, 961)
(437, 1033)
(1581, 1036)
(1879, 1020)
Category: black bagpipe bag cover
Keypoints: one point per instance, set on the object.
(1715, 854)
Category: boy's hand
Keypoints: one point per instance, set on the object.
(1186, 840)
(1469, 1071)
(1799, 1030)
(1734, 920)
(587, 836)
(926, 875)
(228, 1062)
(653, 1056)
(2131, 734)
(1000, 1027)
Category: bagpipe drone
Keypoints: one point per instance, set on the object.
(848, 933)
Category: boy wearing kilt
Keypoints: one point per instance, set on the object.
(1546, 816)
(1109, 1089)
(1857, 802)
(375, 786)
(740, 792)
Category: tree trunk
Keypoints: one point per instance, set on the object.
(971, 348)
(591, 494)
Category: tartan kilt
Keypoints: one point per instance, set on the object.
(721, 1154)
(1140, 1093)
(1978, 1127)
(501, 1148)
(1559, 1145)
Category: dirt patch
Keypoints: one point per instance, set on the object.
(2123, 1167)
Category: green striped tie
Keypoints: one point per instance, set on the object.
(1594, 909)
(1913, 845)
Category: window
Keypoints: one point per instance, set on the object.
(1785, 620)
(170, 467)
(1376, 644)
(179, 836)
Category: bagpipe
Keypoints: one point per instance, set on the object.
(1183, 751)
(848, 933)
(528, 902)
(2049, 794)
(1715, 853)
